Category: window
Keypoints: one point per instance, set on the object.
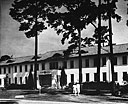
(15, 80)
(71, 64)
(4, 70)
(87, 77)
(65, 64)
(9, 70)
(115, 61)
(124, 60)
(95, 76)
(115, 76)
(20, 80)
(95, 62)
(37, 66)
(0, 70)
(72, 78)
(124, 75)
(31, 67)
(9, 80)
(26, 80)
(25, 68)
(53, 65)
(0, 82)
(86, 62)
(104, 76)
(43, 66)
(103, 61)
(15, 68)
(20, 68)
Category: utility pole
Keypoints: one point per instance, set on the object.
(99, 48)
(111, 48)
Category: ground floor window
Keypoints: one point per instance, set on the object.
(72, 78)
(104, 76)
(9, 80)
(0, 82)
(95, 76)
(87, 77)
(115, 76)
(15, 80)
(20, 80)
(26, 80)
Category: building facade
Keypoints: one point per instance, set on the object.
(50, 63)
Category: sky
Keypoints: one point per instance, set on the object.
(14, 42)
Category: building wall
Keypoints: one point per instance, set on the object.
(119, 68)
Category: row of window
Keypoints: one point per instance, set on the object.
(54, 65)
(20, 79)
(8, 70)
(95, 76)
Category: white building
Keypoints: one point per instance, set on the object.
(49, 64)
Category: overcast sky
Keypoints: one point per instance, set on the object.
(14, 42)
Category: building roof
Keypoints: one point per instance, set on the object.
(117, 49)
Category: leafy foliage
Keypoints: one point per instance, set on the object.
(65, 16)
(5, 57)
(30, 15)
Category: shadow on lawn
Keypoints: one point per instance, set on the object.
(8, 102)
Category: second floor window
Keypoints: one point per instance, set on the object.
(31, 67)
(15, 68)
(53, 65)
(9, 70)
(65, 64)
(25, 68)
(86, 62)
(115, 61)
(43, 66)
(71, 64)
(4, 70)
(20, 68)
(103, 61)
(124, 60)
(95, 62)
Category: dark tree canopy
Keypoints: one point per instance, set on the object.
(5, 57)
(65, 16)
(30, 15)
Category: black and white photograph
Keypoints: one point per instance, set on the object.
(63, 51)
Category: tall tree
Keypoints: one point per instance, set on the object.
(31, 17)
(70, 22)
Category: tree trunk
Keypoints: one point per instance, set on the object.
(111, 50)
(36, 52)
(99, 50)
(80, 59)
